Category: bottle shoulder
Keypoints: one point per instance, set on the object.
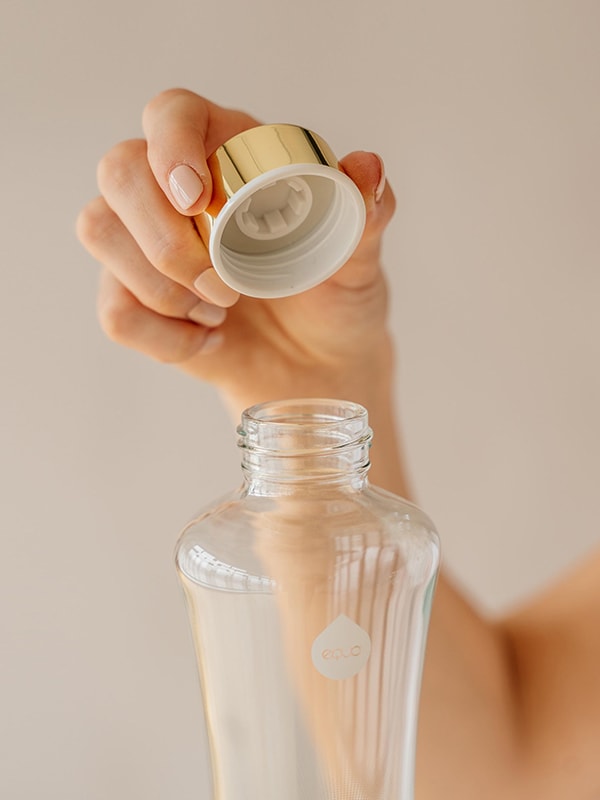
(243, 532)
(395, 505)
(328, 507)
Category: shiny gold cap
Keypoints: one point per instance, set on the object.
(284, 217)
(253, 152)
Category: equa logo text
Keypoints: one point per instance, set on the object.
(342, 652)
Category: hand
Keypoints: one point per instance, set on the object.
(160, 295)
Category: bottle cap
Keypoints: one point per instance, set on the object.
(284, 216)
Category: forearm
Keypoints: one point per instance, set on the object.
(468, 730)
(469, 738)
(509, 708)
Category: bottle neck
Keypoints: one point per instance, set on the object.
(301, 444)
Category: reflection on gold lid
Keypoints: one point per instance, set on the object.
(258, 150)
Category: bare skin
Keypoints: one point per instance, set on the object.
(511, 707)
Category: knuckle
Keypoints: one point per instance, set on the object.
(95, 223)
(186, 347)
(116, 169)
(115, 315)
(124, 321)
(171, 299)
(168, 253)
(162, 99)
(171, 356)
(115, 324)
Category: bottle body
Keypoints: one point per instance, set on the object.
(309, 600)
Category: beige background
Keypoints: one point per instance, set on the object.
(488, 117)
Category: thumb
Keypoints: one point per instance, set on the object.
(367, 170)
(368, 173)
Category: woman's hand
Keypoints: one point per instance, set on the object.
(160, 294)
(525, 691)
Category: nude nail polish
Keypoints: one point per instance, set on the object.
(186, 186)
(207, 314)
(211, 287)
(213, 341)
(380, 188)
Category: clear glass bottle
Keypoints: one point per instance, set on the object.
(309, 594)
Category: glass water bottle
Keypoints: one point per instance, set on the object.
(309, 593)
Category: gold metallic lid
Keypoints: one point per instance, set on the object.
(284, 217)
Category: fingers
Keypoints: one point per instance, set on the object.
(107, 239)
(368, 173)
(168, 240)
(159, 291)
(137, 305)
(126, 321)
(183, 130)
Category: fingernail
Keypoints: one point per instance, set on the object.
(213, 341)
(186, 186)
(212, 288)
(380, 188)
(206, 314)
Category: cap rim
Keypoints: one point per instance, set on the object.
(350, 224)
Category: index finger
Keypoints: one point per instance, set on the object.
(182, 130)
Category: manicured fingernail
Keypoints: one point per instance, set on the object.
(212, 288)
(213, 341)
(380, 188)
(186, 186)
(206, 314)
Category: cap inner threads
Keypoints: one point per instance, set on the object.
(276, 210)
(287, 230)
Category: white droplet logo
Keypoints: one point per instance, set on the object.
(342, 649)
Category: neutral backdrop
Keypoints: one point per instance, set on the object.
(487, 115)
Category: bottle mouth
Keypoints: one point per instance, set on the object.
(305, 426)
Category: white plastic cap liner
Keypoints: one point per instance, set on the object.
(287, 230)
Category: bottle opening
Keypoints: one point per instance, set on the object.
(304, 427)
